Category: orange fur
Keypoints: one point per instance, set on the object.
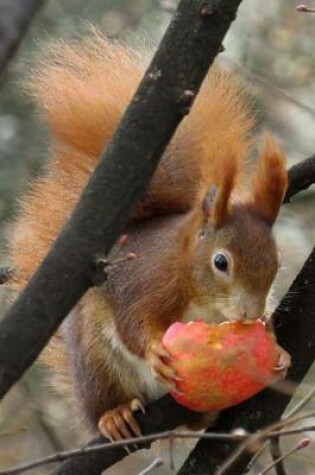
(83, 89)
(270, 182)
(227, 179)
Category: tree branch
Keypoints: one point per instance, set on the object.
(301, 177)
(15, 17)
(189, 46)
(265, 436)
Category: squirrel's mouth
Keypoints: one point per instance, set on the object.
(239, 309)
(233, 316)
(216, 314)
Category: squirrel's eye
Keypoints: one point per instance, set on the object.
(220, 262)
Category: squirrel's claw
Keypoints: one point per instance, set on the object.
(283, 363)
(160, 362)
(119, 423)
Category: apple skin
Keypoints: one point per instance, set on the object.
(220, 365)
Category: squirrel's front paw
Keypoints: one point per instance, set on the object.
(160, 362)
(283, 364)
(119, 423)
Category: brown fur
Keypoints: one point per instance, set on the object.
(83, 90)
(270, 182)
(220, 209)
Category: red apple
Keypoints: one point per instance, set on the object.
(220, 365)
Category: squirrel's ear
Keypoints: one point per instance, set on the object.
(207, 204)
(216, 203)
(270, 182)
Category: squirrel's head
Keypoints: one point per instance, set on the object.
(236, 236)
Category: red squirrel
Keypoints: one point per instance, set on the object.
(202, 234)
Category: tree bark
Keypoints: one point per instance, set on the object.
(15, 17)
(301, 177)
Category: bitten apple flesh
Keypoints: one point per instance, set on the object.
(220, 365)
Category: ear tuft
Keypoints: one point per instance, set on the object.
(225, 180)
(208, 202)
(270, 182)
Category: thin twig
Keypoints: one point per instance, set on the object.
(292, 412)
(255, 442)
(64, 455)
(299, 430)
(236, 436)
(277, 456)
(258, 454)
(300, 445)
(157, 462)
(300, 405)
(304, 8)
(172, 442)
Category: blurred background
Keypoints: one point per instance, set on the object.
(274, 46)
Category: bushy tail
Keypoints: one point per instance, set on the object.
(83, 89)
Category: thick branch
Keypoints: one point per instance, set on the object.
(15, 17)
(301, 177)
(180, 64)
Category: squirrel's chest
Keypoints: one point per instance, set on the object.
(133, 372)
